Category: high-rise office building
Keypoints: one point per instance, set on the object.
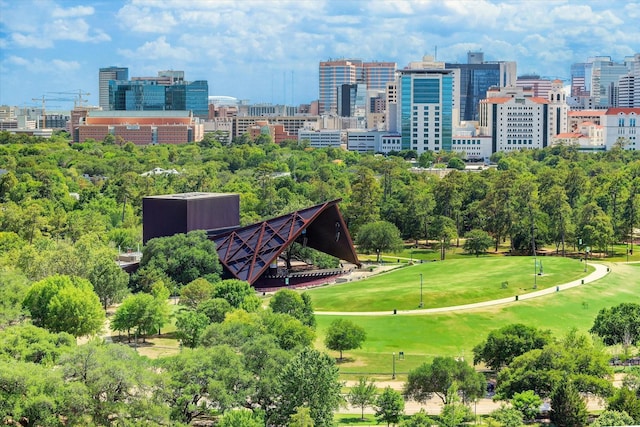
(539, 86)
(425, 108)
(151, 95)
(605, 79)
(104, 76)
(334, 73)
(476, 77)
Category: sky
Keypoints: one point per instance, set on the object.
(267, 51)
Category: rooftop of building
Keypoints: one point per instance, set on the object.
(136, 113)
(190, 196)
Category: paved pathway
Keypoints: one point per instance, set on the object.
(599, 273)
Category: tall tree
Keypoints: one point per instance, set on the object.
(568, 409)
(309, 379)
(379, 236)
(344, 335)
(619, 324)
(389, 406)
(364, 204)
(362, 394)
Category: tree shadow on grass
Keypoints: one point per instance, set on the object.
(355, 420)
(344, 360)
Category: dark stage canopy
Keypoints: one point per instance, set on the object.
(247, 252)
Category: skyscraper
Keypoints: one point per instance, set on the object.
(476, 77)
(425, 109)
(334, 73)
(104, 76)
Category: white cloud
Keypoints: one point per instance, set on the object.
(41, 66)
(158, 49)
(72, 12)
(145, 19)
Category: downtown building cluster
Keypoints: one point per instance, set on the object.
(475, 108)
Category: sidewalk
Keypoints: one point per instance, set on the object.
(601, 271)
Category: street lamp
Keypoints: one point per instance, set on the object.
(393, 372)
(421, 303)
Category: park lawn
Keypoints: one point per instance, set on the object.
(421, 337)
(447, 283)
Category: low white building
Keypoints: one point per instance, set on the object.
(373, 141)
(622, 125)
(320, 138)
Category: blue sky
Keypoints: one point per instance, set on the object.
(268, 50)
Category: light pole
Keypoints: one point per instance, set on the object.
(421, 303)
(393, 372)
(586, 257)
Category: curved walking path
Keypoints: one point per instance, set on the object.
(599, 273)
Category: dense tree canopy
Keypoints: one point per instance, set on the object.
(438, 377)
(619, 324)
(65, 304)
(507, 343)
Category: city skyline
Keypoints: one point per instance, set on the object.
(269, 51)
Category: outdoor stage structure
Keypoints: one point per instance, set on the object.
(251, 252)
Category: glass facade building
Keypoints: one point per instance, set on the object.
(149, 95)
(426, 109)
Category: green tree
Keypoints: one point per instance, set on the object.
(196, 292)
(528, 403)
(143, 313)
(113, 384)
(65, 304)
(301, 418)
(389, 406)
(438, 377)
(443, 229)
(506, 416)
(454, 412)
(477, 242)
(238, 293)
(309, 379)
(618, 325)
(182, 257)
(292, 303)
(109, 280)
(419, 419)
(205, 381)
(289, 331)
(379, 236)
(12, 293)
(362, 394)
(30, 392)
(456, 163)
(364, 204)
(240, 418)
(625, 400)
(612, 418)
(505, 344)
(190, 325)
(344, 335)
(29, 343)
(567, 406)
(215, 309)
(540, 370)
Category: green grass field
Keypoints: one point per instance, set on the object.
(447, 283)
(422, 337)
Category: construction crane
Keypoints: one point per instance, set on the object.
(44, 100)
(78, 101)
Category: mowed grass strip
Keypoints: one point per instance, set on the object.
(447, 283)
(422, 337)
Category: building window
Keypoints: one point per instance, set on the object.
(620, 121)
